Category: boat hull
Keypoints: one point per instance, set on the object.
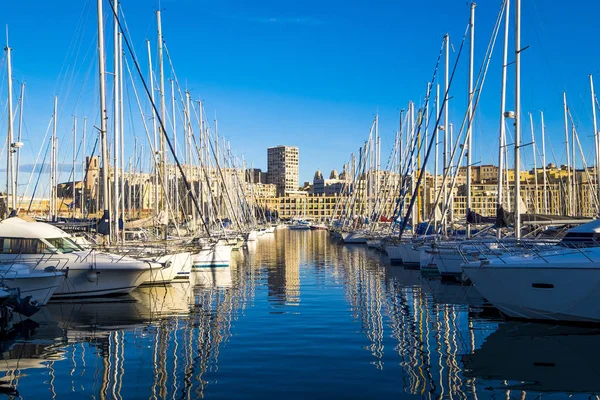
(354, 238)
(215, 256)
(40, 286)
(174, 266)
(556, 292)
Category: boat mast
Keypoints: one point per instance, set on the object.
(116, 140)
(121, 133)
(176, 184)
(446, 131)
(502, 139)
(545, 191)
(437, 155)
(10, 174)
(569, 185)
(470, 117)
(155, 130)
(163, 116)
(596, 135)
(103, 117)
(517, 199)
(53, 163)
(19, 143)
(83, 171)
(74, 162)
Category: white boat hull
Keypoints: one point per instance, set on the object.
(354, 238)
(216, 256)
(89, 274)
(252, 235)
(175, 266)
(39, 285)
(550, 291)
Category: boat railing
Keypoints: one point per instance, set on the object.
(500, 249)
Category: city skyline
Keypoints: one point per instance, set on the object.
(265, 88)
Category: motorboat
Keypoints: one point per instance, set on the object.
(88, 272)
(558, 285)
(556, 282)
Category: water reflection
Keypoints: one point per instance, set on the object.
(295, 315)
(539, 357)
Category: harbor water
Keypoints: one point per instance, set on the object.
(296, 316)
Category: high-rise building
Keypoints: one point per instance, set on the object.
(282, 163)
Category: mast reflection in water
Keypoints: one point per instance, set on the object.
(296, 315)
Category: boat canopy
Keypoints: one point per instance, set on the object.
(16, 227)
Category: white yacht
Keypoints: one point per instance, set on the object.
(559, 284)
(87, 272)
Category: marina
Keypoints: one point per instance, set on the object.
(295, 315)
(452, 251)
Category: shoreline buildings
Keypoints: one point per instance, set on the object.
(276, 192)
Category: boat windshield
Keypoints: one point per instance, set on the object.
(64, 245)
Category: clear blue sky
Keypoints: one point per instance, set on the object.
(306, 73)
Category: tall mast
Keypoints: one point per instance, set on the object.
(163, 116)
(569, 185)
(424, 168)
(596, 135)
(74, 162)
(545, 190)
(517, 160)
(83, 171)
(446, 129)
(103, 117)
(502, 138)
(10, 177)
(413, 182)
(116, 125)
(189, 156)
(155, 130)
(176, 184)
(19, 143)
(437, 155)
(53, 163)
(121, 132)
(470, 115)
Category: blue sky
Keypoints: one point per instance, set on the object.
(306, 73)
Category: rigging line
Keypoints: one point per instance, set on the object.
(156, 169)
(71, 177)
(212, 149)
(38, 179)
(482, 74)
(35, 163)
(413, 197)
(158, 117)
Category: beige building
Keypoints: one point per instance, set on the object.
(282, 163)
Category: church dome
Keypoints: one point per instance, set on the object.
(334, 174)
(318, 175)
